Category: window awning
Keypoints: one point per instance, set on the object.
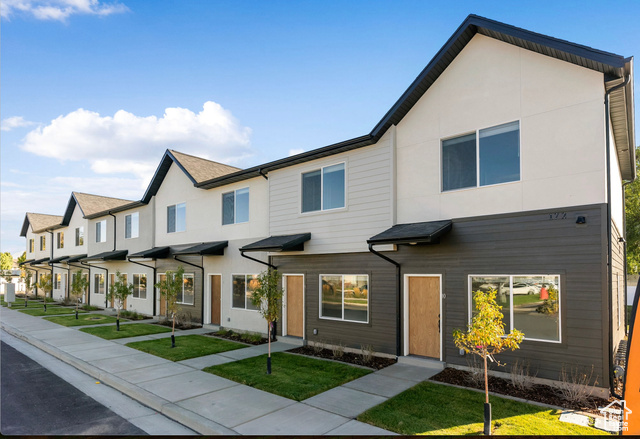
(26, 262)
(75, 258)
(59, 259)
(39, 261)
(152, 253)
(413, 233)
(118, 255)
(214, 248)
(282, 243)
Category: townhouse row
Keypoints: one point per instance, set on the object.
(501, 167)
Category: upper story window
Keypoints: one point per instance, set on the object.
(79, 236)
(31, 245)
(60, 240)
(235, 207)
(323, 189)
(177, 218)
(43, 243)
(101, 231)
(489, 156)
(131, 225)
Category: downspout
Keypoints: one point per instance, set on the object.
(154, 280)
(258, 260)
(398, 298)
(106, 283)
(115, 235)
(202, 283)
(609, 232)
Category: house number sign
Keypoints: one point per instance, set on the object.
(558, 216)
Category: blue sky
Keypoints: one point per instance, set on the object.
(94, 91)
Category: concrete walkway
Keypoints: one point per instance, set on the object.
(207, 403)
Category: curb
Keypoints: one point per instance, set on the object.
(185, 417)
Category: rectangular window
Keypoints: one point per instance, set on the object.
(324, 189)
(176, 218)
(235, 207)
(188, 291)
(79, 236)
(43, 243)
(345, 297)
(490, 156)
(242, 288)
(60, 240)
(57, 280)
(98, 283)
(530, 303)
(140, 286)
(31, 245)
(131, 225)
(101, 231)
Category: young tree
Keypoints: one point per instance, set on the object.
(267, 298)
(6, 261)
(28, 285)
(79, 285)
(169, 289)
(485, 337)
(119, 292)
(45, 284)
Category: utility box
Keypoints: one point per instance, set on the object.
(9, 293)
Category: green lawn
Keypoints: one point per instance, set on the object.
(19, 303)
(85, 319)
(435, 409)
(187, 346)
(129, 330)
(522, 299)
(51, 311)
(292, 376)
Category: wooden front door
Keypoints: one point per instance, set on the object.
(424, 316)
(215, 281)
(295, 307)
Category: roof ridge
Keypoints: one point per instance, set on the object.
(172, 151)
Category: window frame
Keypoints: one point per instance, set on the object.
(138, 288)
(57, 281)
(97, 278)
(511, 277)
(131, 230)
(321, 169)
(32, 245)
(103, 231)
(343, 319)
(235, 206)
(175, 221)
(192, 276)
(43, 243)
(79, 236)
(245, 291)
(476, 133)
(59, 240)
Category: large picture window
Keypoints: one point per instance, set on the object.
(235, 207)
(344, 297)
(530, 303)
(490, 156)
(140, 286)
(242, 287)
(177, 218)
(323, 189)
(131, 225)
(188, 290)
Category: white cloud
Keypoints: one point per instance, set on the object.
(130, 144)
(15, 122)
(59, 9)
(295, 151)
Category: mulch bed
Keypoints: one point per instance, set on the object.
(237, 337)
(182, 326)
(347, 357)
(538, 392)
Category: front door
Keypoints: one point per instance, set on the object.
(424, 316)
(295, 307)
(215, 281)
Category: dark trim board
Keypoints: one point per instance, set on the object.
(524, 243)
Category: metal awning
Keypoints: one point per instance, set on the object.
(26, 262)
(59, 259)
(214, 248)
(281, 243)
(413, 233)
(152, 253)
(39, 261)
(75, 258)
(118, 255)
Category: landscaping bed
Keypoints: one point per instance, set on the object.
(537, 392)
(179, 325)
(253, 339)
(374, 362)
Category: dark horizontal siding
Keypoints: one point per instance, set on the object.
(194, 312)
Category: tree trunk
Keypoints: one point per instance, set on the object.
(487, 406)
(269, 350)
(173, 332)
(486, 382)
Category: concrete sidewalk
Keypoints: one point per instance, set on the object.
(207, 403)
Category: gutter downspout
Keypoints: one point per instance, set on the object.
(258, 260)
(88, 274)
(398, 298)
(607, 111)
(202, 284)
(154, 279)
(106, 282)
(115, 234)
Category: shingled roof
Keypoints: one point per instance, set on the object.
(91, 204)
(39, 222)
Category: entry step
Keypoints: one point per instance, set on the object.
(422, 362)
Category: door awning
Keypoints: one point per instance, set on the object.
(40, 261)
(152, 253)
(282, 243)
(413, 233)
(26, 262)
(75, 258)
(59, 259)
(214, 248)
(118, 255)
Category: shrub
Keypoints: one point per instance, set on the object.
(338, 350)
(366, 353)
(575, 384)
(521, 377)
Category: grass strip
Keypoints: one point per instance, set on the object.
(85, 319)
(51, 311)
(129, 330)
(434, 409)
(187, 346)
(293, 376)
